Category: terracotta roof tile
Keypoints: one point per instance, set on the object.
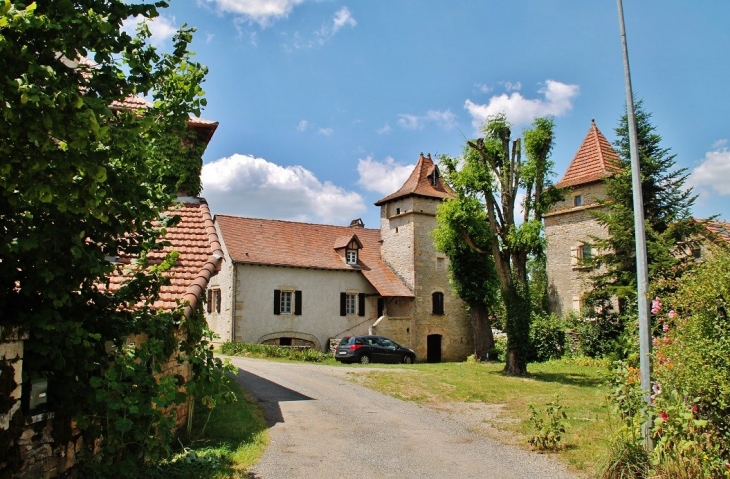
(420, 183)
(200, 254)
(305, 245)
(596, 159)
(719, 229)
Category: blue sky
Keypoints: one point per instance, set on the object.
(325, 105)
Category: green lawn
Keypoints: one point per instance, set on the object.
(235, 438)
(578, 382)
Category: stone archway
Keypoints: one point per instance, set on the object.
(294, 338)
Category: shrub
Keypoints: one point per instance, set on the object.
(548, 426)
(598, 334)
(547, 337)
(271, 351)
(499, 350)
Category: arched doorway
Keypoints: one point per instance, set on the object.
(433, 348)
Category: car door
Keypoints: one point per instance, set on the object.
(377, 352)
(389, 351)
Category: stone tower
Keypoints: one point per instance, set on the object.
(569, 224)
(438, 326)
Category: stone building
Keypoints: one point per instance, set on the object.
(569, 224)
(325, 282)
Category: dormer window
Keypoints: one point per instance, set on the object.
(351, 256)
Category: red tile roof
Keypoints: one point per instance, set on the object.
(595, 160)
(719, 230)
(420, 183)
(200, 254)
(305, 245)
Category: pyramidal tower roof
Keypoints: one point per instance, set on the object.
(425, 180)
(596, 159)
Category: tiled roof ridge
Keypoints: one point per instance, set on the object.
(355, 230)
(595, 160)
(419, 184)
(211, 266)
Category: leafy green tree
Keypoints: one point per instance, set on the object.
(670, 228)
(472, 273)
(493, 172)
(84, 177)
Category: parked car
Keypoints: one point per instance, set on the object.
(372, 349)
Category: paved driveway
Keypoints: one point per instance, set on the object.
(324, 426)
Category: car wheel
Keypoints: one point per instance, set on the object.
(407, 360)
(364, 359)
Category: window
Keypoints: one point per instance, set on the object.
(214, 300)
(578, 200)
(351, 255)
(437, 302)
(397, 211)
(580, 256)
(352, 304)
(440, 264)
(287, 302)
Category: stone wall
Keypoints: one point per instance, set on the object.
(567, 227)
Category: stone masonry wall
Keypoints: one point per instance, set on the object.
(566, 228)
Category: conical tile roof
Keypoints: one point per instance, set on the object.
(421, 183)
(596, 159)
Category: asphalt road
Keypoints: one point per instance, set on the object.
(325, 426)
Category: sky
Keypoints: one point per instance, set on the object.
(325, 105)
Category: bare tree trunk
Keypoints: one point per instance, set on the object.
(483, 337)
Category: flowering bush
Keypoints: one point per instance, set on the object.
(690, 396)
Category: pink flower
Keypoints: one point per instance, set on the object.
(665, 328)
(664, 415)
(695, 408)
(672, 314)
(656, 306)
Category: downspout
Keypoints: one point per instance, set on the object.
(234, 265)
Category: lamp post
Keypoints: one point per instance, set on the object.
(642, 270)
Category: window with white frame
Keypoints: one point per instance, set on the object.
(351, 256)
(351, 305)
(287, 301)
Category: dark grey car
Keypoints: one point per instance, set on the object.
(372, 349)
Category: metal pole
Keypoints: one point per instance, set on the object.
(642, 270)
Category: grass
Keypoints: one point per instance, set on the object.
(579, 383)
(234, 439)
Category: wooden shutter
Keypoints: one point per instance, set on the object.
(217, 300)
(297, 303)
(209, 306)
(277, 301)
(437, 300)
(381, 306)
(361, 304)
(343, 304)
(574, 256)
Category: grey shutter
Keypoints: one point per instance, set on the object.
(277, 301)
(209, 306)
(217, 300)
(343, 304)
(297, 303)
(361, 304)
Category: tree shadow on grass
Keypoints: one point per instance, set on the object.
(568, 378)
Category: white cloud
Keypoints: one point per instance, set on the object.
(246, 186)
(509, 86)
(444, 119)
(384, 177)
(302, 126)
(161, 28)
(325, 131)
(558, 100)
(719, 144)
(712, 173)
(263, 12)
(483, 87)
(343, 18)
(384, 130)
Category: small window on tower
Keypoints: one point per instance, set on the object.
(578, 200)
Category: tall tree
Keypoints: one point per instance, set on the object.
(670, 229)
(494, 172)
(82, 179)
(472, 273)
